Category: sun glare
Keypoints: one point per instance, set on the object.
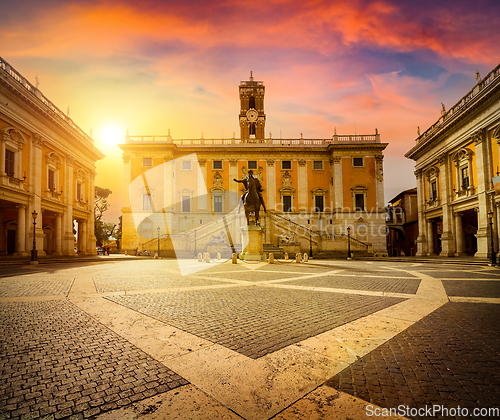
(112, 134)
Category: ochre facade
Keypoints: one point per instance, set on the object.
(456, 161)
(47, 166)
(313, 188)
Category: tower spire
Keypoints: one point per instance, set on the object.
(251, 75)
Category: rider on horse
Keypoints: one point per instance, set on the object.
(244, 181)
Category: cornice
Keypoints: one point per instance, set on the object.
(12, 91)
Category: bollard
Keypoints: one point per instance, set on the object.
(218, 256)
(306, 257)
(286, 255)
(200, 258)
(156, 255)
(298, 257)
(207, 257)
(126, 253)
(234, 258)
(271, 258)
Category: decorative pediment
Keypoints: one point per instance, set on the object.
(81, 175)
(52, 158)
(432, 172)
(12, 135)
(217, 180)
(462, 154)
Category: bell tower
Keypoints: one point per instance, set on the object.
(252, 117)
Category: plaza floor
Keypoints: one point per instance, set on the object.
(325, 339)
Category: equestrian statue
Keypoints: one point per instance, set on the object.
(252, 198)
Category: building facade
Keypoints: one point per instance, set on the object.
(313, 188)
(455, 162)
(402, 223)
(47, 166)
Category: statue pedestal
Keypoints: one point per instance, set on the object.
(252, 240)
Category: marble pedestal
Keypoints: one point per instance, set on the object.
(252, 240)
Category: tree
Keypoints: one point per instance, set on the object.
(118, 234)
(102, 230)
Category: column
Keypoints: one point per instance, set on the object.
(337, 181)
(2, 233)
(271, 185)
(379, 174)
(421, 239)
(482, 179)
(21, 231)
(460, 241)
(84, 236)
(447, 240)
(36, 188)
(58, 234)
(202, 186)
(302, 186)
(67, 220)
(91, 239)
(234, 196)
(430, 238)
(126, 182)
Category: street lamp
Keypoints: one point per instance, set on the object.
(310, 243)
(195, 253)
(158, 241)
(492, 248)
(348, 243)
(34, 252)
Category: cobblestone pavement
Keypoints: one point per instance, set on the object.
(276, 339)
(376, 284)
(255, 321)
(56, 360)
(449, 358)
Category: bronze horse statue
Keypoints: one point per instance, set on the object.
(252, 201)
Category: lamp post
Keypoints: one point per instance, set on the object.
(492, 248)
(195, 253)
(34, 252)
(158, 241)
(348, 243)
(310, 243)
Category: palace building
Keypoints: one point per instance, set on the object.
(181, 195)
(47, 170)
(456, 160)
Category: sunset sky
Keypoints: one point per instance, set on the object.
(150, 66)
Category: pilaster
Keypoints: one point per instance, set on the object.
(271, 185)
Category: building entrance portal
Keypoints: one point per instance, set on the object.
(469, 224)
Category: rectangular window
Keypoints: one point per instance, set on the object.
(359, 201)
(357, 161)
(217, 164)
(146, 202)
(434, 190)
(252, 164)
(318, 164)
(147, 161)
(79, 192)
(465, 178)
(318, 203)
(186, 164)
(287, 203)
(217, 203)
(186, 203)
(52, 184)
(9, 162)
(286, 164)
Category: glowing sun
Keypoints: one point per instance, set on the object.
(112, 134)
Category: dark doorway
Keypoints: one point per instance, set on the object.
(469, 223)
(11, 241)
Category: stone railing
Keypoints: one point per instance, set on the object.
(462, 104)
(54, 110)
(336, 139)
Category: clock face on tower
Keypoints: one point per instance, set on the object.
(252, 115)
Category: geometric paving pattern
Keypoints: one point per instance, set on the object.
(56, 359)
(451, 358)
(471, 288)
(34, 286)
(254, 321)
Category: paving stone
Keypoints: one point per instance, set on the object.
(464, 337)
(33, 332)
(471, 288)
(34, 286)
(106, 284)
(274, 318)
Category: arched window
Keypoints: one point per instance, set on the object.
(251, 102)
(252, 129)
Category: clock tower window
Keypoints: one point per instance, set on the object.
(251, 102)
(252, 129)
